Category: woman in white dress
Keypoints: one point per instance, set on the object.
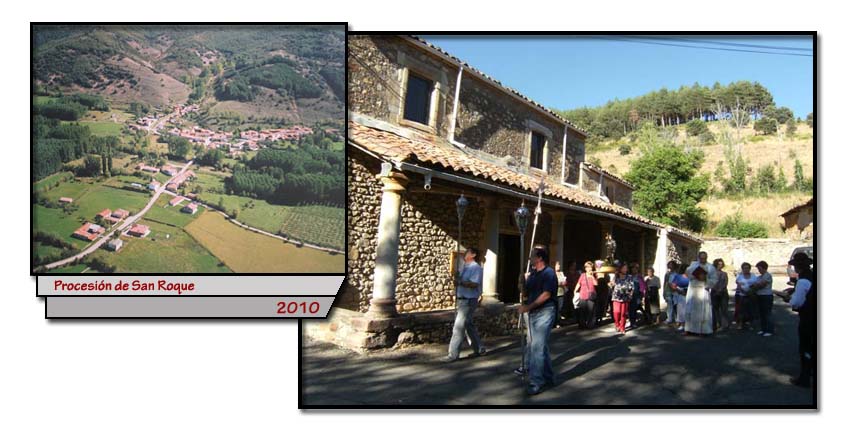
(698, 318)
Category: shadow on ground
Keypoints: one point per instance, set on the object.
(649, 366)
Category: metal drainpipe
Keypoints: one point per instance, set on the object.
(518, 194)
(564, 155)
(453, 123)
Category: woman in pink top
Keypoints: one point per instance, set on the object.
(586, 286)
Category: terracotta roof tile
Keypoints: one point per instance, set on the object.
(423, 149)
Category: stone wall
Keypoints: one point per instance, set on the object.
(682, 250)
(620, 193)
(364, 196)
(500, 124)
(428, 237)
(775, 252)
(376, 65)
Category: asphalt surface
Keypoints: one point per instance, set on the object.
(649, 366)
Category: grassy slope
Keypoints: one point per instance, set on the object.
(315, 224)
(91, 199)
(759, 151)
(179, 253)
(244, 251)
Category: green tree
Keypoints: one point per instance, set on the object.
(92, 166)
(765, 179)
(669, 186)
(781, 181)
(790, 127)
(696, 127)
(766, 126)
(809, 119)
(798, 175)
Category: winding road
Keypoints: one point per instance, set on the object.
(119, 227)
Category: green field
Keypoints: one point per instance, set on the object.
(90, 199)
(178, 253)
(52, 181)
(315, 224)
(245, 251)
(104, 128)
(321, 225)
(162, 212)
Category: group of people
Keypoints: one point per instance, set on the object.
(696, 295)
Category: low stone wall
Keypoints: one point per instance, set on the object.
(361, 332)
(775, 252)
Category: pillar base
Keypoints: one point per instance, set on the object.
(383, 308)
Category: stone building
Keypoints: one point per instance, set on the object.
(798, 221)
(424, 129)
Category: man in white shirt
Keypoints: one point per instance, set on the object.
(709, 268)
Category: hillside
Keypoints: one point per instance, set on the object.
(170, 65)
(758, 150)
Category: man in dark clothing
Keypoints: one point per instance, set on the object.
(542, 290)
(804, 299)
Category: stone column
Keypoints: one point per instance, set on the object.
(388, 240)
(556, 243)
(661, 259)
(491, 241)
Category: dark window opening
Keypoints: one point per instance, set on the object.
(418, 91)
(538, 144)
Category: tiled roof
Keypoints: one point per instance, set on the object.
(421, 147)
(811, 202)
(607, 173)
(472, 69)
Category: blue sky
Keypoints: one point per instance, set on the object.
(566, 72)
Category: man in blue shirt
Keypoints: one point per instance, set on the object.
(542, 290)
(469, 290)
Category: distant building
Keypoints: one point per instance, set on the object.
(103, 214)
(88, 231)
(65, 200)
(168, 170)
(172, 187)
(190, 208)
(176, 200)
(139, 230)
(192, 196)
(798, 221)
(144, 168)
(154, 185)
(120, 213)
(114, 245)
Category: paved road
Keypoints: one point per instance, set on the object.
(649, 366)
(127, 222)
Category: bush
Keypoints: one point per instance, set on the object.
(766, 126)
(696, 127)
(707, 138)
(624, 149)
(737, 227)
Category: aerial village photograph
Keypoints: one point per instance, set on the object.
(575, 221)
(187, 149)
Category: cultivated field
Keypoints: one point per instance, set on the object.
(245, 251)
(167, 249)
(162, 212)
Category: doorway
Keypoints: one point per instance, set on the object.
(508, 269)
